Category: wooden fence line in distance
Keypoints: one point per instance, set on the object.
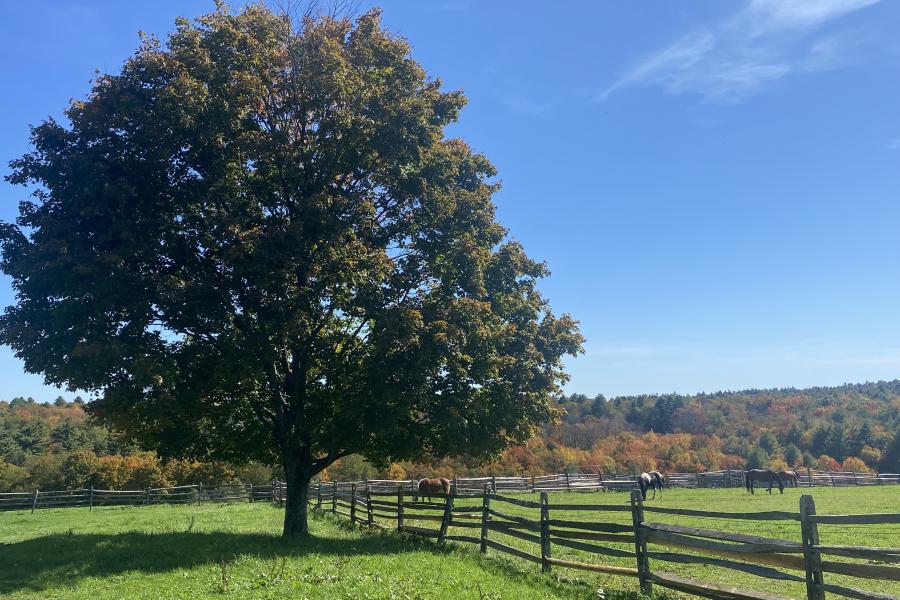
(651, 542)
(581, 481)
(588, 482)
(91, 497)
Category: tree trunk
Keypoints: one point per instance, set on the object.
(297, 476)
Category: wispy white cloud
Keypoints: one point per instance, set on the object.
(762, 42)
(769, 16)
(831, 52)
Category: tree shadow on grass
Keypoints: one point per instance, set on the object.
(57, 560)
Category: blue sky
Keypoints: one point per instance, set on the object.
(715, 185)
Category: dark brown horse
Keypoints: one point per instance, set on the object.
(790, 478)
(436, 485)
(763, 476)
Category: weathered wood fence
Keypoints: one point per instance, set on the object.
(573, 482)
(90, 497)
(539, 527)
(569, 481)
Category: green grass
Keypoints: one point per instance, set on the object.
(235, 551)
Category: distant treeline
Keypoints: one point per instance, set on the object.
(851, 427)
(55, 446)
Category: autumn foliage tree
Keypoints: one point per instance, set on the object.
(255, 242)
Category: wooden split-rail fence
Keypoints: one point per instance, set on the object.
(91, 497)
(631, 531)
(593, 481)
(580, 479)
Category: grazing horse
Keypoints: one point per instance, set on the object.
(763, 476)
(790, 477)
(436, 485)
(653, 480)
(660, 480)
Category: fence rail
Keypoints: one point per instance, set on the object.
(582, 479)
(91, 497)
(585, 481)
(531, 530)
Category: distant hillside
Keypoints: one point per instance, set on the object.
(850, 427)
(56, 446)
(819, 426)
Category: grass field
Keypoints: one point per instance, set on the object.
(234, 551)
(828, 501)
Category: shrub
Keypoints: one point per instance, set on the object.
(856, 465)
(826, 463)
(12, 478)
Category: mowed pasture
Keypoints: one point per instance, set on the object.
(235, 550)
(880, 499)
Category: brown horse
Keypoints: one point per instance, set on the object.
(763, 476)
(790, 477)
(436, 485)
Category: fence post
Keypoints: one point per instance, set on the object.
(34, 502)
(445, 522)
(91, 507)
(334, 497)
(545, 533)
(250, 492)
(855, 480)
(455, 484)
(809, 478)
(532, 483)
(400, 508)
(147, 500)
(728, 478)
(493, 484)
(200, 493)
(319, 496)
(812, 560)
(568, 484)
(371, 517)
(640, 543)
(352, 503)
(485, 517)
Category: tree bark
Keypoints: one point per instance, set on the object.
(297, 474)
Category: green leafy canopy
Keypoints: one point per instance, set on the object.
(255, 242)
